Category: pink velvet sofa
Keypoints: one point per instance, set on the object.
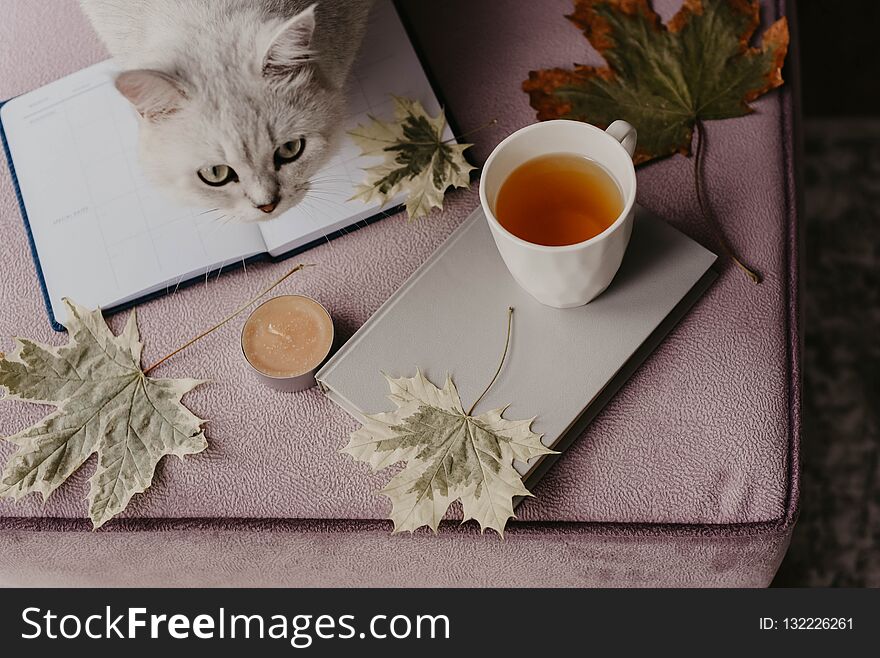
(689, 477)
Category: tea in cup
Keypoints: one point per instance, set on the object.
(559, 197)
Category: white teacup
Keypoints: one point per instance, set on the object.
(570, 275)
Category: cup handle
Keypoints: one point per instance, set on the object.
(625, 134)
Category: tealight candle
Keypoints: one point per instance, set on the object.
(285, 339)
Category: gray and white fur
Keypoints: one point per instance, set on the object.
(240, 100)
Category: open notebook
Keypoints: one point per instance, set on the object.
(102, 235)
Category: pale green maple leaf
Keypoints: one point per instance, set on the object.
(449, 455)
(417, 159)
(105, 405)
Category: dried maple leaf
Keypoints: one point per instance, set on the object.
(663, 79)
(105, 404)
(418, 160)
(449, 455)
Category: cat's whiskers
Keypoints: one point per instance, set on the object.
(384, 213)
(330, 195)
(177, 285)
(318, 195)
(215, 226)
(312, 219)
(325, 178)
(326, 196)
(317, 198)
(326, 187)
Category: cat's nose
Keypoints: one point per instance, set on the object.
(269, 207)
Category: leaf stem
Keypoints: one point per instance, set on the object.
(228, 318)
(706, 210)
(470, 132)
(501, 364)
(454, 138)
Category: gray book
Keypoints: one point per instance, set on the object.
(563, 364)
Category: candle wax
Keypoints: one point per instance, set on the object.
(287, 336)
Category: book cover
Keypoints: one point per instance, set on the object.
(563, 364)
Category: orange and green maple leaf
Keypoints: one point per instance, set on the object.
(664, 78)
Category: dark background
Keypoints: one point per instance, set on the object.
(836, 539)
(840, 57)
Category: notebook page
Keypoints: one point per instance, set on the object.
(104, 235)
(387, 66)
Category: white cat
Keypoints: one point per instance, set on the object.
(240, 100)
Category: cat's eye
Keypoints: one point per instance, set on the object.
(217, 175)
(289, 151)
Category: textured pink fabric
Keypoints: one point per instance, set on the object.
(351, 554)
(701, 442)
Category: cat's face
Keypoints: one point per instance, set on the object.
(244, 139)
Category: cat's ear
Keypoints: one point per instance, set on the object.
(155, 95)
(289, 49)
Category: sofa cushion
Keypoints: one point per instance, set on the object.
(702, 439)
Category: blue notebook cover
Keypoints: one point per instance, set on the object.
(57, 326)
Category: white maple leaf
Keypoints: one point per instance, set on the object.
(449, 455)
(417, 159)
(105, 404)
